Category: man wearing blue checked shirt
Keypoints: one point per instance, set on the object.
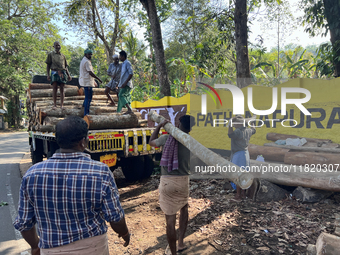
(70, 197)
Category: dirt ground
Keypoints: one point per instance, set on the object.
(219, 226)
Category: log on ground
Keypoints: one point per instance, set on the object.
(328, 244)
(316, 158)
(291, 175)
(276, 136)
(269, 153)
(115, 121)
(329, 147)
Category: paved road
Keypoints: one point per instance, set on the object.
(12, 148)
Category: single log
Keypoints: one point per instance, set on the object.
(99, 97)
(304, 148)
(207, 156)
(40, 104)
(96, 122)
(302, 158)
(269, 153)
(328, 244)
(291, 175)
(97, 91)
(276, 136)
(49, 128)
(268, 192)
(307, 195)
(51, 121)
(33, 86)
(311, 249)
(48, 92)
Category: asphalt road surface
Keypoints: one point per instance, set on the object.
(12, 148)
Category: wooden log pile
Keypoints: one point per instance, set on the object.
(43, 117)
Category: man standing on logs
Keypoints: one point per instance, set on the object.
(239, 148)
(86, 79)
(113, 71)
(125, 84)
(56, 62)
(174, 183)
(70, 197)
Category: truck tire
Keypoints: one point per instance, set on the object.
(36, 156)
(133, 168)
(148, 166)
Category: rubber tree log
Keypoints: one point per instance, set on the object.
(328, 244)
(302, 158)
(40, 104)
(97, 91)
(291, 175)
(49, 128)
(269, 153)
(244, 180)
(33, 86)
(96, 122)
(48, 92)
(276, 136)
(58, 112)
(67, 98)
(304, 148)
(51, 121)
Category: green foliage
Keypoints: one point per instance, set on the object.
(26, 35)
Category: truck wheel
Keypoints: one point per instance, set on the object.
(133, 168)
(148, 166)
(36, 156)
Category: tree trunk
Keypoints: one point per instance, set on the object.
(332, 10)
(150, 7)
(51, 121)
(305, 148)
(276, 136)
(58, 112)
(48, 92)
(328, 244)
(269, 153)
(46, 104)
(241, 37)
(96, 97)
(308, 158)
(291, 175)
(97, 92)
(97, 122)
(33, 86)
(210, 158)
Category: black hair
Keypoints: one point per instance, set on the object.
(187, 121)
(70, 131)
(123, 53)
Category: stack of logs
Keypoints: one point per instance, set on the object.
(316, 151)
(43, 117)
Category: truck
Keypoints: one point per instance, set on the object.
(127, 148)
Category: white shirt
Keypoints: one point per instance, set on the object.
(85, 79)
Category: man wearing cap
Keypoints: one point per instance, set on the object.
(239, 148)
(70, 198)
(125, 84)
(86, 79)
(113, 71)
(56, 62)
